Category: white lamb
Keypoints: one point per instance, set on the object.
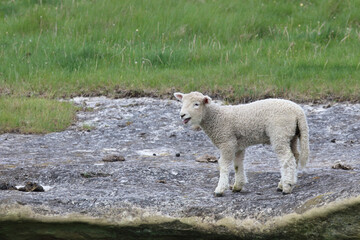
(233, 128)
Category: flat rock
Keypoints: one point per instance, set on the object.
(207, 158)
(153, 190)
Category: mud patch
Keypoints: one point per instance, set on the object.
(113, 158)
(94, 174)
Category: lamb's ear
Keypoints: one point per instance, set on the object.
(207, 100)
(179, 96)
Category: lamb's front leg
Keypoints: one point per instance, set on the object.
(226, 158)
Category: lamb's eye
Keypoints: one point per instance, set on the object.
(196, 104)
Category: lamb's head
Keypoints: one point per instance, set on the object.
(193, 105)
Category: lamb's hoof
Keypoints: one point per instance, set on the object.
(236, 189)
(287, 188)
(218, 194)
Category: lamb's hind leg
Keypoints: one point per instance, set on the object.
(294, 149)
(287, 165)
(240, 175)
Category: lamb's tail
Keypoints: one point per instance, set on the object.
(304, 140)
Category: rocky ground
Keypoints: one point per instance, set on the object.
(159, 176)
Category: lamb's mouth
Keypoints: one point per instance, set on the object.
(186, 120)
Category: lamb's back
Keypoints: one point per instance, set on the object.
(263, 110)
(253, 120)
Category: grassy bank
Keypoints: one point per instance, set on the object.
(241, 50)
(29, 115)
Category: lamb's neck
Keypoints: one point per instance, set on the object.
(212, 113)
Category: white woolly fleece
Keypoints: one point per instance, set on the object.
(233, 128)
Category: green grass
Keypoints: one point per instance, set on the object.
(240, 50)
(29, 115)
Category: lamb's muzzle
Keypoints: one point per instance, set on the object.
(278, 122)
(185, 119)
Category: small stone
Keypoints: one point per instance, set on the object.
(207, 158)
(7, 186)
(177, 154)
(341, 165)
(173, 172)
(113, 158)
(31, 187)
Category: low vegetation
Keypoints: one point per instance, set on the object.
(33, 115)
